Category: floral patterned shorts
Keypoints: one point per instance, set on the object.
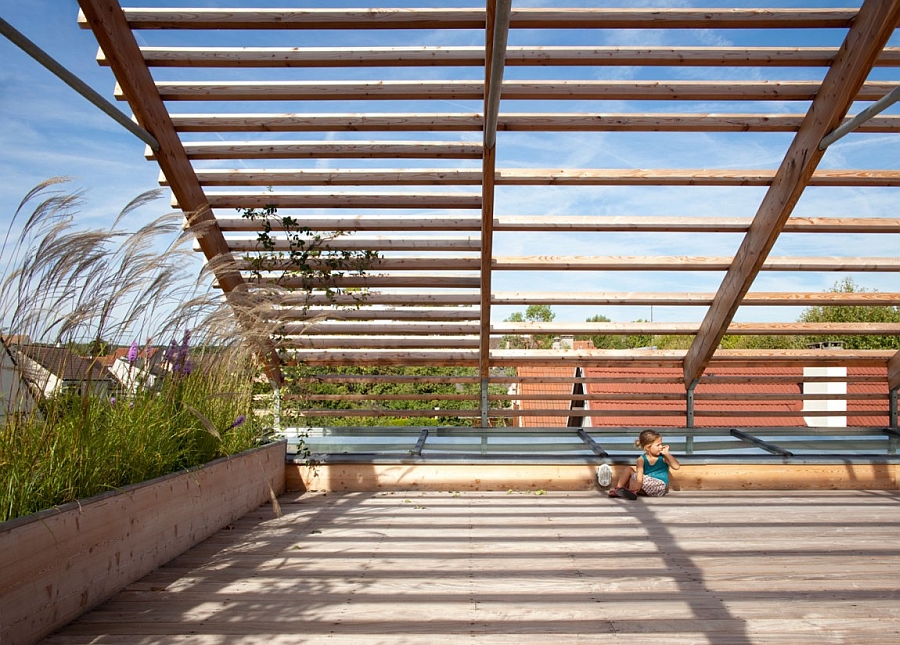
(652, 486)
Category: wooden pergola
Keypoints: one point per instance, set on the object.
(401, 144)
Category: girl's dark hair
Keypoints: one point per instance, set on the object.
(646, 438)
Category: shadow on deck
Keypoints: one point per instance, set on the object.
(527, 566)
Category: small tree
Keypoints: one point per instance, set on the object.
(853, 314)
(534, 313)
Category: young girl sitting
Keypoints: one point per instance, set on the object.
(651, 473)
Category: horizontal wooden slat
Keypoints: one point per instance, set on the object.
(374, 313)
(633, 263)
(373, 281)
(389, 378)
(661, 396)
(363, 223)
(330, 150)
(549, 122)
(304, 340)
(339, 177)
(864, 298)
(390, 328)
(508, 413)
(673, 358)
(586, 358)
(406, 297)
(707, 379)
(375, 243)
(474, 56)
(687, 177)
(676, 328)
(299, 122)
(648, 224)
(511, 91)
(699, 395)
(688, 263)
(392, 397)
(374, 268)
(520, 18)
(549, 223)
(503, 177)
(343, 200)
(669, 122)
(315, 357)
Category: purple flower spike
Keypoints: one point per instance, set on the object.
(133, 352)
(171, 353)
(238, 422)
(112, 400)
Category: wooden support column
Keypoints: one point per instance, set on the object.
(868, 35)
(893, 369)
(107, 20)
(894, 372)
(496, 31)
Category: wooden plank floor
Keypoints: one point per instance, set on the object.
(526, 567)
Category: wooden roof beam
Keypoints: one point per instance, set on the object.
(867, 37)
(108, 23)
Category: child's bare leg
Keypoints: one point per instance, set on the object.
(624, 478)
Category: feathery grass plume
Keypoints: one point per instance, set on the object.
(65, 287)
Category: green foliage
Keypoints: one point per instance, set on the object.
(534, 314)
(308, 256)
(305, 387)
(851, 314)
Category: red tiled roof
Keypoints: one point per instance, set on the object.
(65, 364)
(739, 399)
(544, 388)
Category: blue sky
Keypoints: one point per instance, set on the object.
(48, 130)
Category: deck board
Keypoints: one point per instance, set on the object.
(730, 568)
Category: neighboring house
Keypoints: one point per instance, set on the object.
(15, 396)
(54, 370)
(145, 372)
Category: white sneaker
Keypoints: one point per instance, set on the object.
(604, 475)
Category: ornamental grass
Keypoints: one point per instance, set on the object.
(184, 394)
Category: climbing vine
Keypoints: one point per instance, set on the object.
(307, 256)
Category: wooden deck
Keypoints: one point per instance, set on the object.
(528, 567)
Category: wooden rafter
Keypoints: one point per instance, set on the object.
(866, 38)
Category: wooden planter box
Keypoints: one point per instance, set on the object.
(62, 562)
